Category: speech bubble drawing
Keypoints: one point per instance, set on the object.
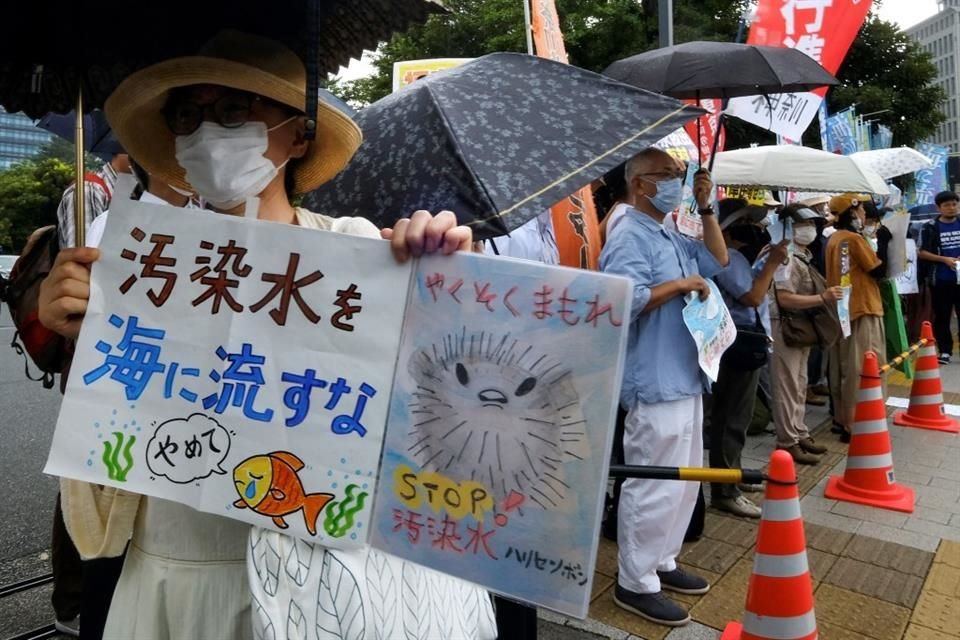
(183, 450)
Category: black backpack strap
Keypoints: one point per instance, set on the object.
(46, 378)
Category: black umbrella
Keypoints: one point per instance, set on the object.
(59, 55)
(496, 140)
(695, 70)
(50, 50)
(98, 138)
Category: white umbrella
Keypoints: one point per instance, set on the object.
(890, 163)
(795, 168)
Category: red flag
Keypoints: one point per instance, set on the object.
(706, 129)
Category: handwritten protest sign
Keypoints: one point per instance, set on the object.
(711, 326)
(494, 465)
(907, 281)
(846, 282)
(246, 368)
(237, 366)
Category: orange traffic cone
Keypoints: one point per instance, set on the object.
(780, 594)
(926, 395)
(869, 478)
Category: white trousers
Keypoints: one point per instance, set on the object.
(654, 514)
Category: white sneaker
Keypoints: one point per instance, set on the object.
(739, 506)
(68, 627)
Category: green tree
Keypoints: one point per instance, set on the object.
(596, 32)
(59, 149)
(886, 71)
(30, 193)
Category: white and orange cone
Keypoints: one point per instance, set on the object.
(869, 478)
(780, 594)
(926, 409)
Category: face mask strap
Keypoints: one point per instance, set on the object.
(277, 126)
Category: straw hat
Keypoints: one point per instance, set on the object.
(239, 61)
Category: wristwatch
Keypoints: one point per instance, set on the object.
(706, 211)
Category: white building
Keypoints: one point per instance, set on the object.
(940, 37)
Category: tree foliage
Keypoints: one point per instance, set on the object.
(595, 32)
(63, 150)
(30, 193)
(884, 69)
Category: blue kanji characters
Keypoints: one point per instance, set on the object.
(185, 393)
(137, 361)
(241, 382)
(349, 423)
(297, 396)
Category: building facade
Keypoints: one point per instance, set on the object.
(20, 139)
(940, 37)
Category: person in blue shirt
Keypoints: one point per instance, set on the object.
(745, 293)
(662, 382)
(940, 245)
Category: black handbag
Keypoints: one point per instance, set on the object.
(751, 349)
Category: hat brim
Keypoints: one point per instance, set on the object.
(751, 212)
(135, 112)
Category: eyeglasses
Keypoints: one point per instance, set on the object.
(231, 110)
(666, 175)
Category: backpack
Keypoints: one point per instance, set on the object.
(21, 292)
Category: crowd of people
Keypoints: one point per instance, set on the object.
(228, 126)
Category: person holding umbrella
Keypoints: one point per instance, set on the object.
(664, 418)
(228, 124)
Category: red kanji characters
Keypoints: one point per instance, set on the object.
(287, 286)
(150, 263)
(479, 538)
(218, 287)
(542, 302)
(411, 522)
(598, 309)
(484, 295)
(448, 536)
(565, 312)
(347, 310)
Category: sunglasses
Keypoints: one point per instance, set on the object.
(231, 110)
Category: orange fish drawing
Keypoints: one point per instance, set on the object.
(269, 485)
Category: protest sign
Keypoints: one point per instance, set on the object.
(907, 281)
(846, 283)
(823, 30)
(409, 71)
(688, 221)
(216, 370)
(494, 465)
(929, 182)
(245, 368)
(711, 326)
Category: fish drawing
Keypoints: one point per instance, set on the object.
(269, 485)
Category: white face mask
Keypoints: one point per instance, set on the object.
(227, 166)
(804, 235)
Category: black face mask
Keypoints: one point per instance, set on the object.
(753, 238)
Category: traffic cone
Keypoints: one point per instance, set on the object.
(926, 395)
(780, 593)
(869, 478)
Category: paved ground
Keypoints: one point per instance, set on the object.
(878, 574)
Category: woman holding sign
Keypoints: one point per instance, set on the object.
(228, 125)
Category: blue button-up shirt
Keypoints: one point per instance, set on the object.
(661, 363)
(736, 281)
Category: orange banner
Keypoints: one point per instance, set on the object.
(574, 218)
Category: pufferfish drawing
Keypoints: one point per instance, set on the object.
(490, 409)
(269, 485)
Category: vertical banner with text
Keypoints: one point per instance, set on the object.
(574, 218)
(822, 29)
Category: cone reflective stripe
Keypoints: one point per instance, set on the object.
(869, 477)
(926, 395)
(780, 594)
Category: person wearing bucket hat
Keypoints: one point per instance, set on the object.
(850, 259)
(227, 124)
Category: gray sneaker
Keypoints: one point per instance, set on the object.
(655, 607)
(739, 506)
(682, 582)
(68, 627)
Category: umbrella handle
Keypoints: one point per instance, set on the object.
(79, 189)
(312, 67)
